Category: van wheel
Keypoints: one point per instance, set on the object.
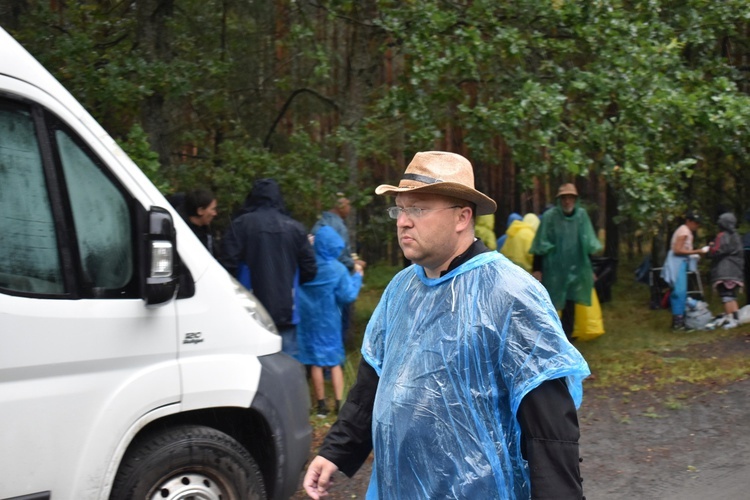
(188, 462)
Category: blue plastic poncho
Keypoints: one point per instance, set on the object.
(319, 330)
(455, 356)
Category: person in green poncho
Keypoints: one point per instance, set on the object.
(562, 246)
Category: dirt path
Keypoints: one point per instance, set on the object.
(700, 450)
(635, 446)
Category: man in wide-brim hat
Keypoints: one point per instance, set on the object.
(465, 374)
(562, 247)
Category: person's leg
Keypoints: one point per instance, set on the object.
(678, 297)
(729, 301)
(316, 373)
(337, 380)
(568, 318)
(731, 307)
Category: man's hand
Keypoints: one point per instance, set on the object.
(318, 477)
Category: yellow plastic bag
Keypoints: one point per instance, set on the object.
(588, 320)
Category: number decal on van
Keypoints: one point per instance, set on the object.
(193, 338)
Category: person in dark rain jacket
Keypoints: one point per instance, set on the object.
(275, 249)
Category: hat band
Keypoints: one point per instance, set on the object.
(420, 178)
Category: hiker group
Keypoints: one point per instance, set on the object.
(728, 253)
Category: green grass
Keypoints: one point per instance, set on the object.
(638, 352)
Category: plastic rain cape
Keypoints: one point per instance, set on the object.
(320, 300)
(520, 235)
(566, 243)
(455, 356)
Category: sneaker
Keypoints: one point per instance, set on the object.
(730, 323)
(322, 410)
(717, 322)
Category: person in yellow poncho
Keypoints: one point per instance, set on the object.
(518, 243)
(485, 230)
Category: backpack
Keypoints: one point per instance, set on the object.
(697, 317)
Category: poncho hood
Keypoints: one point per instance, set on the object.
(532, 220)
(486, 221)
(515, 227)
(727, 222)
(512, 217)
(328, 244)
(265, 194)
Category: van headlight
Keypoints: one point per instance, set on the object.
(254, 307)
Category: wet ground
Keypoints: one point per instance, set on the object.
(646, 445)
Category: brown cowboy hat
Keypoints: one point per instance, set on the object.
(440, 172)
(567, 188)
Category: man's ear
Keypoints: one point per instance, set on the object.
(464, 218)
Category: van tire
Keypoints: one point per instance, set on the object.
(185, 462)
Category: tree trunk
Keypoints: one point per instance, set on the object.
(612, 238)
(153, 37)
(362, 67)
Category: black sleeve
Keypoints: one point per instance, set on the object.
(349, 441)
(549, 441)
(231, 250)
(308, 268)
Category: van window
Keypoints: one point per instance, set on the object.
(101, 217)
(29, 257)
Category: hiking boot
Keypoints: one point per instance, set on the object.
(678, 322)
(322, 410)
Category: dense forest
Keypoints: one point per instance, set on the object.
(642, 103)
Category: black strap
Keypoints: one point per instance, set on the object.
(421, 178)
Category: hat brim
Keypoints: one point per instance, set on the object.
(485, 205)
(571, 193)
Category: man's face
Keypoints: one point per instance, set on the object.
(344, 207)
(429, 240)
(567, 203)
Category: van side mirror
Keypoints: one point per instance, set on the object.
(160, 274)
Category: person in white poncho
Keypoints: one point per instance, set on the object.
(468, 387)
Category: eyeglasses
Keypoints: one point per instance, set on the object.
(413, 212)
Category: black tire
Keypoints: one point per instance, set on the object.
(188, 462)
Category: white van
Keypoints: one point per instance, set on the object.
(132, 366)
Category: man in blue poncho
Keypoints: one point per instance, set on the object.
(468, 387)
